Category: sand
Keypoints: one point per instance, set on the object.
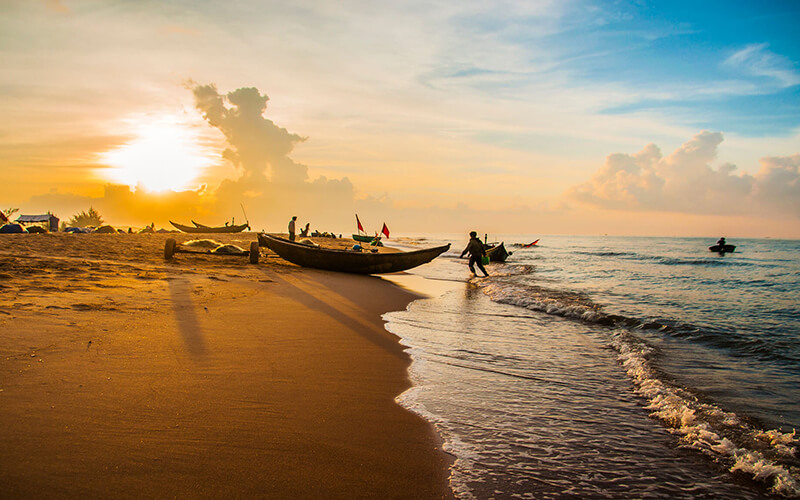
(124, 375)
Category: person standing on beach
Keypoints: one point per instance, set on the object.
(476, 253)
(291, 228)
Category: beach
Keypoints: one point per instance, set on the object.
(125, 375)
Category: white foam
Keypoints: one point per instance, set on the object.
(702, 426)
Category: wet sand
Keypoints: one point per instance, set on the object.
(124, 375)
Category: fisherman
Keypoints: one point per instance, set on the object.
(304, 231)
(721, 242)
(291, 228)
(476, 253)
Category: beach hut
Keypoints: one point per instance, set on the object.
(48, 221)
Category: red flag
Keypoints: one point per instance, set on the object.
(385, 230)
(360, 227)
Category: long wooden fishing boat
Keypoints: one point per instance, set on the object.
(497, 253)
(199, 229)
(348, 261)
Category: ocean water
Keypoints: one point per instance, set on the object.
(611, 367)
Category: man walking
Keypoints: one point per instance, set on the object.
(476, 253)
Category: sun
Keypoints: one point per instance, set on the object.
(164, 154)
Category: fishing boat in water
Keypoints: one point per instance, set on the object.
(349, 261)
(722, 248)
(497, 252)
(530, 245)
(200, 228)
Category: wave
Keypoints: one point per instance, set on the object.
(579, 306)
(770, 456)
(711, 261)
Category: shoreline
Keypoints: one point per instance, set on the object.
(126, 375)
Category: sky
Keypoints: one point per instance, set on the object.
(509, 117)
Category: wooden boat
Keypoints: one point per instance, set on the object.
(199, 228)
(365, 238)
(497, 252)
(348, 261)
(722, 248)
(529, 245)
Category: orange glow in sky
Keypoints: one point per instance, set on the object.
(163, 155)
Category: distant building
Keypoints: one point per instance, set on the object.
(49, 221)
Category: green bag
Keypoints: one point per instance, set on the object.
(485, 259)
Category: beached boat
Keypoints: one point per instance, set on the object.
(365, 238)
(348, 261)
(497, 252)
(199, 228)
(722, 248)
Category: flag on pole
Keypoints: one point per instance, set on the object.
(360, 227)
(385, 230)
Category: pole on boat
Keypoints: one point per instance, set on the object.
(245, 216)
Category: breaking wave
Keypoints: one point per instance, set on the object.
(768, 456)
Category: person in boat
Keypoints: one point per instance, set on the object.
(304, 231)
(721, 242)
(292, 228)
(476, 253)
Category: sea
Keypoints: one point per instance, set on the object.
(609, 367)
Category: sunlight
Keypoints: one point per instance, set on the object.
(164, 154)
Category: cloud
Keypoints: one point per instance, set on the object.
(686, 182)
(271, 181)
(757, 60)
(270, 185)
(57, 6)
(256, 144)
(778, 183)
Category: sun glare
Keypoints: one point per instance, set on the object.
(163, 155)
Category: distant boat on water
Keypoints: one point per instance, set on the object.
(200, 228)
(722, 248)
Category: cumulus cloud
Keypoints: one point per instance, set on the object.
(255, 144)
(685, 181)
(271, 182)
(270, 185)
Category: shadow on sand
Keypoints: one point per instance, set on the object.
(180, 291)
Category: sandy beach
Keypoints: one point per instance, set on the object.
(125, 375)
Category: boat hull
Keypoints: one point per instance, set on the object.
(722, 248)
(200, 229)
(364, 238)
(497, 253)
(348, 261)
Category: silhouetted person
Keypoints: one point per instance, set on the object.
(721, 242)
(476, 253)
(304, 231)
(291, 228)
